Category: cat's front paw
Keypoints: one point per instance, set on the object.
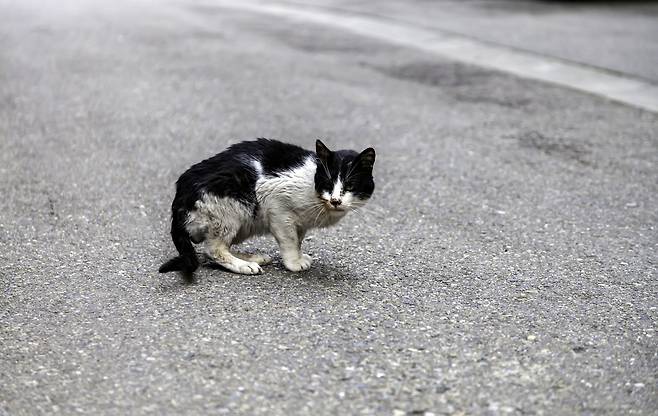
(298, 264)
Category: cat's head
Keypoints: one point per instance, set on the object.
(343, 179)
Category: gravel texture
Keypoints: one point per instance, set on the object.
(506, 264)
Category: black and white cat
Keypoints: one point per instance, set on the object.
(264, 186)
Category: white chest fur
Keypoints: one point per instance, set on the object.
(291, 195)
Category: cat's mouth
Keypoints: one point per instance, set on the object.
(332, 209)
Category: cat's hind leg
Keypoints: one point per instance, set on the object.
(260, 258)
(225, 219)
(220, 252)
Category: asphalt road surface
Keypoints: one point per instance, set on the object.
(614, 34)
(506, 264)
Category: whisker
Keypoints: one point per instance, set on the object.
(315, 211)
(312, 210)
(364, 213)
(317, 217)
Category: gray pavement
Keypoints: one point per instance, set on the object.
(506, 264)
(615, 35)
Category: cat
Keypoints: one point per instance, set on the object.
(259, 187)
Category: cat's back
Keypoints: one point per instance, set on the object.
(273, 156)
(235, 171)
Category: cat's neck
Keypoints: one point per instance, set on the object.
(294, 191)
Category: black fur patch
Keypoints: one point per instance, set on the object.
(355, 170)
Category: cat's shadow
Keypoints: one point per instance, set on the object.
(318, 271)
(320, 275)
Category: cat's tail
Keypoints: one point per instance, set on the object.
(186, 262)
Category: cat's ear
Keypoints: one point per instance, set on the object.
(322, 151)
(367, 158)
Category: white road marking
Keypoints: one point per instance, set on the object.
(597, 81)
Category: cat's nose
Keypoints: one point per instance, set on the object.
(335, 202)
